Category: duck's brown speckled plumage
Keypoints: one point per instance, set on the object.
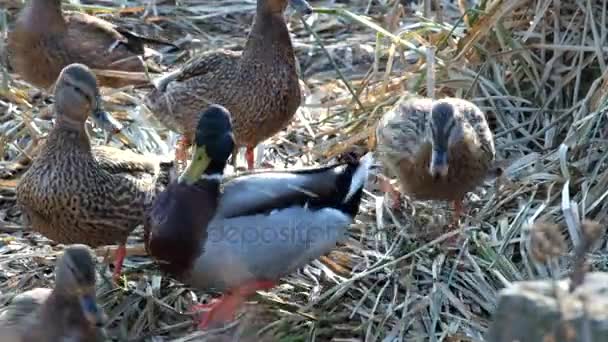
(45, 40)
(405, 149)
(54, 315)
(72, 195)
(259, 87)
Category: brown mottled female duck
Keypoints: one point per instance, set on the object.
(71, 194)
(259, 228)
(68, 312)
(439, 150)
(259, 87)
(45, 40)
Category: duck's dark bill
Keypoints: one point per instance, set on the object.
(439, 163)
(107, 122)
(198, 165)
(301, 6)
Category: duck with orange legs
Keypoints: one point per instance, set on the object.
(258, 228)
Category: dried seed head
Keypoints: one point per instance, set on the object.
(592, 231)
(546, 241)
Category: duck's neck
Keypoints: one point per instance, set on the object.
(269, 39)
(182, 214)
(66, 307)
(70, 135)
(45, 14)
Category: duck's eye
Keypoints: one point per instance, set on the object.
(83, 93)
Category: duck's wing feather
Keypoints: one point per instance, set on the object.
(266, 246)
(401, 132)
(20, 313)
(115, 160)
(204, 65)
(477, 120)
(267, 191)
(96, 43)
(208, 64)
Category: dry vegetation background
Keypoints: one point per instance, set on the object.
(536, 67)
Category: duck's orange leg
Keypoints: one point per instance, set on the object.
(394, 193)
(455, 224)
(249, 157)
(458, 212)
(181, 155)
(224, 309)
(119, 258)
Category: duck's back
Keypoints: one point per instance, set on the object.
(205, 79)
(99, 45)
(41, 47)
(21, 314)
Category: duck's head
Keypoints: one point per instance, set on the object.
(445, 132)
(75, 277)
(213, 144)
(278, 6)
(77, 96)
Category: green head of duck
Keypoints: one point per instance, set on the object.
(213, 144)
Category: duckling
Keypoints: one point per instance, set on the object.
(45, 40)
(259, 86)
(67, 312)
(71, 195)
(259, 228)
(439, 150)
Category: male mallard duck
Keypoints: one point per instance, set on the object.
(259, 86)
(72, 195)
(68, 312)
(262, 226)
(438, 150)
(45, 40)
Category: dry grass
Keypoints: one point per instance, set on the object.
(538, 69)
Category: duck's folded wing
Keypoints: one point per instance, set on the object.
(22, 308)
(96, 43)
(266, 191)
(115, 160)
(401, 131)
(266, 246)
(208, 64)
(477, 119)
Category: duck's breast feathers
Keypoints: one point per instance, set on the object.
(266, 246)
(175, 229)
(337, 186)
(402, 130)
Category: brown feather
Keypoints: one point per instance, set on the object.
(45, 40)
(259, 87)
(405, 149)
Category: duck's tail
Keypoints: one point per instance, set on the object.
(354, 179)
